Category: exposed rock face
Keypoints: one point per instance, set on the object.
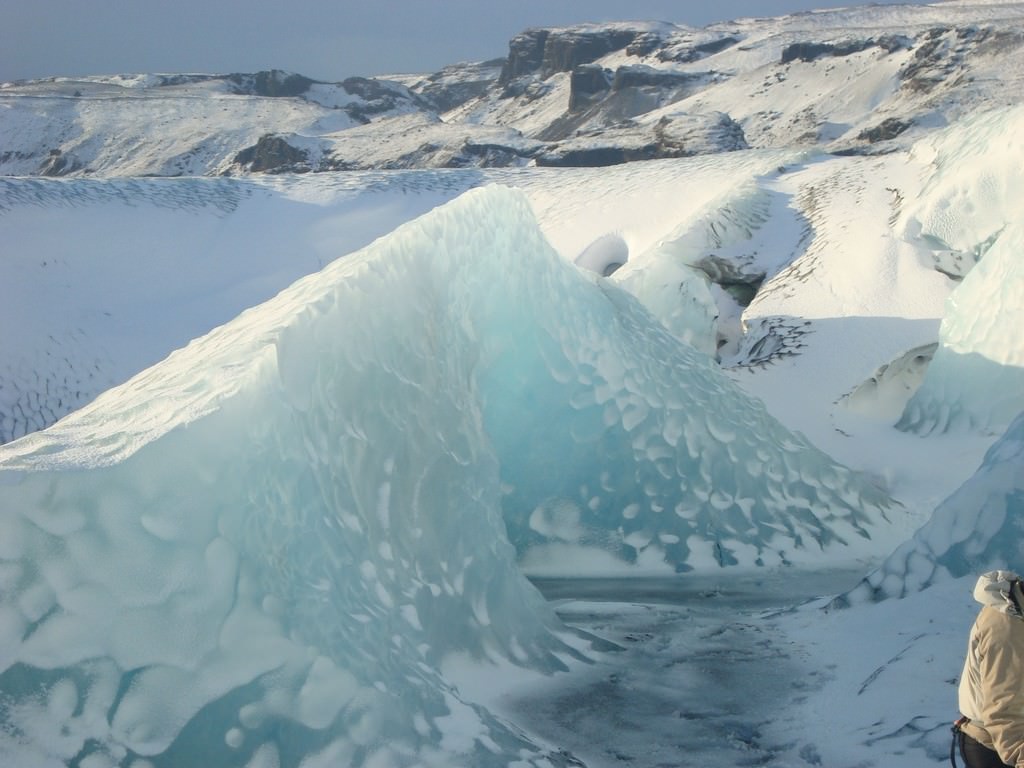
(640, 76)
(525, 55)
(58, 164)
(466, 154)
(646, 43)
(457, 84)
(589, 83)
(597, 155)
(564, 52)
(167, 81)
(379, 96)
(545, 52)
(945, 50)
(742, 284)
(678, 136)
(271, 83)
(888, 129)
(582, 95)
(686, 53)
(599, 101)
(272, 154)
(697, 134)
(490, 156)
(812, 51)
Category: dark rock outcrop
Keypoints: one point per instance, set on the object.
(493, 155)
(529, 88)
(640, 76)
(598, 155)
(741, 284)
(547, 51)
(682, 136)
(166, 81)
(58, 164)
(589, 83)
(944, 51)
(525, 55)
(459, 83)
(646, 43)
(378, 97)
(466, 154)
(810, 51)
(889, 128)
(565, 51)
(688, 53)
(271, 83)
(633, 91)
(272, 154)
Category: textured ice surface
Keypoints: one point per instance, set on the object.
(273, 537)
(699, 276)
(616, 438)
(971, 212)
(976, 379)
(977, 529)
(262, 548)
(139, 267)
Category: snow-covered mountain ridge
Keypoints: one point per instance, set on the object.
(852, 80)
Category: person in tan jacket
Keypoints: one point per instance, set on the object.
(991, 694)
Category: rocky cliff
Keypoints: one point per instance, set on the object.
(847, 81)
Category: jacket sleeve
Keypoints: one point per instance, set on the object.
(1001, 657)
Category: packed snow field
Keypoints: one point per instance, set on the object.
(691, 459)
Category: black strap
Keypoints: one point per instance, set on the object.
(958, 739)
(1016, 592)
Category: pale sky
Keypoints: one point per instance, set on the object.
(322, 39)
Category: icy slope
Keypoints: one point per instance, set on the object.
(844, 262)
(265, 545)
(844, 282)
(142, 266)
(977, 529)
(886, 249)
(138, 268)
(971, 214)
(219, 550)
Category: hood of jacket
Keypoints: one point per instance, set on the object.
(1000, 590)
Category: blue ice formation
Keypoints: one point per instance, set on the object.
(976, 529)
(976, 379)
(970, 216)
(261, 550)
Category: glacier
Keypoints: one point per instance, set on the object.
(976, 529)
(262, 549)
(142, 266)
(969, 217)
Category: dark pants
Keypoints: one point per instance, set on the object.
(977, 755)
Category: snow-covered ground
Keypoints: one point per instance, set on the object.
(282, 451)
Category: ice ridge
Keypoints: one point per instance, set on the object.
(264, 547)
(969, 215)
(976, 529)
